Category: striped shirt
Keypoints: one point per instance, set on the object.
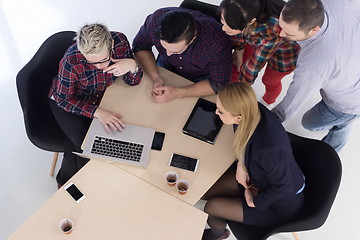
(280, 53)
(79, 86)
(328, 62)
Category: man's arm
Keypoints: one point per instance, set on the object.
(304, 84)
(146, 59)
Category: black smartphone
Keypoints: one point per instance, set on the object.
(74, 192)
(158, 141)
(184, 162)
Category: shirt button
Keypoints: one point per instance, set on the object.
(180, 67)
(94, 103)
(180, 57)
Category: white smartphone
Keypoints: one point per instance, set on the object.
(74, 192)
(184, 162)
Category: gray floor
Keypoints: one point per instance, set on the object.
(24, 169)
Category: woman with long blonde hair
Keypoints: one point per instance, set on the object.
(265, 185)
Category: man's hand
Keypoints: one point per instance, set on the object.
(157, 82)
(168, 93)
(109, 120)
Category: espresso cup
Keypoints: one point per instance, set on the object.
(66, 226)
(182, 186)
(171, 178)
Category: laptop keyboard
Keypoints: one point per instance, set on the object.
(117, 149)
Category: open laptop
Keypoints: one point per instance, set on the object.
(131, 145)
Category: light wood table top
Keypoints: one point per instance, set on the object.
(137, 106)
(118, 205)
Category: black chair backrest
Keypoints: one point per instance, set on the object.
(206, 8)
(321, 166)
(33, 84)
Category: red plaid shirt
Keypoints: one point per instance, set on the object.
(280, 53)
(79, 87)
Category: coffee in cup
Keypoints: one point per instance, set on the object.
(66, 226)
(182, 186)
(171, 178)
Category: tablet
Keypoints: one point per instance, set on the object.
(203, 123)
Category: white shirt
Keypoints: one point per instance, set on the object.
(329, 61)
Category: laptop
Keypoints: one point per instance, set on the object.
(203, 123)
(132, 145)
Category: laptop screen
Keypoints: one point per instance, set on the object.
(203, 123)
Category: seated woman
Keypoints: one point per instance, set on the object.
(88, 67)
(265, 186)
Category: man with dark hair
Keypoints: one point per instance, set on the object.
(328, 33)
(191, 45)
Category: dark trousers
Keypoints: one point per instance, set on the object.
(75, 128)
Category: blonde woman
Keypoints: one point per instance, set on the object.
(88, 67)
(265, 186)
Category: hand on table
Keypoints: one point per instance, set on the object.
(121, 66)
(157, 82)
(167, 93)
(109, 120)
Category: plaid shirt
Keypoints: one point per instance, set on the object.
(209, 54)
(280, 53)
(79, 87)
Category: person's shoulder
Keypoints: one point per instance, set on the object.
(72, 55)
(118, 37)
(161, 11)
(211, 31)
(270, 126)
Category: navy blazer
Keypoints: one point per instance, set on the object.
(270, 163)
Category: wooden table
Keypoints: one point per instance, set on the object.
(137, 106)
(118, 205)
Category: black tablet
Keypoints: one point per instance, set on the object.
(203, 123)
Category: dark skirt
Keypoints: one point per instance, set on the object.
(278, 212)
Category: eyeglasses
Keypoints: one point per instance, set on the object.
(100, 62)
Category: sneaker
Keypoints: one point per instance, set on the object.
(209, 235)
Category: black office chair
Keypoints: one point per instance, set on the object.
(33, 84)
(206, 8)
(322, 169)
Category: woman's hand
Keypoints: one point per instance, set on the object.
(121, 66)
(109, 120)
(242, 176)
(249, 197)
(238, 56)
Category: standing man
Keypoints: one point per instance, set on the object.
(328, 33)
(191, 45)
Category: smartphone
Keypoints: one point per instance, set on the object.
(158, 141)
(74, 192)
(184, 162)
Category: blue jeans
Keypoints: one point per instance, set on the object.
(322, 117)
